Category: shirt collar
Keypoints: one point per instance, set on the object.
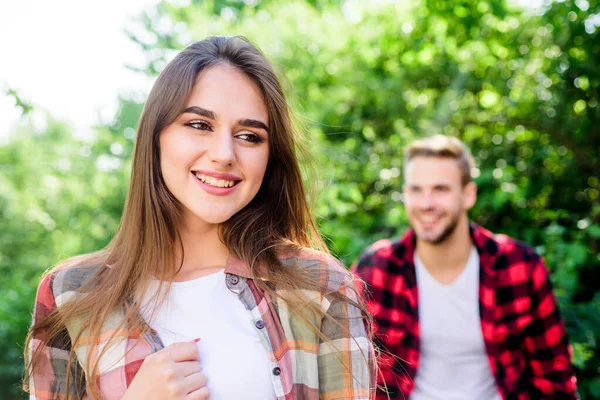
(482, 239)
(237, 267)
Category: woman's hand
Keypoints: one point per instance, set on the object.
(172, 373)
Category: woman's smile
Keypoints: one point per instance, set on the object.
(215, 183)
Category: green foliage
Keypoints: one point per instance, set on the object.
(58, 197)
(19, 102)
(521, 90)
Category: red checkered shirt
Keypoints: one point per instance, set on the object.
(525, 338)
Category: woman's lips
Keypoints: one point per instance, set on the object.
(216, 181)
(217, 187)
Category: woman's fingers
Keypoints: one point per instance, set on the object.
(188, 367)
(183, 351)
(200, 394)
(195, 385)
(170, 373)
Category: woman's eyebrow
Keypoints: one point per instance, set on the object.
(201, 112)
(253, 123)
(247, 122)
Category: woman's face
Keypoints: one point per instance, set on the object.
(214, 156)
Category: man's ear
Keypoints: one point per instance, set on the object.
(470, 195)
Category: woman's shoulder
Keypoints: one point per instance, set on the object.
(310, 258)
(70, 276)
(321, 265)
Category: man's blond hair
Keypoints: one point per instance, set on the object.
(443, 146)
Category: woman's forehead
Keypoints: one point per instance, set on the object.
(227, 91)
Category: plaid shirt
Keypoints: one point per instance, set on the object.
(303, 365)
(525, 338)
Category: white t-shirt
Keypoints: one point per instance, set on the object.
(231, 354)
(453, 362)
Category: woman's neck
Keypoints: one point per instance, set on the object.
(203, 251)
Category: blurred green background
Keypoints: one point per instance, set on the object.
(520, 87)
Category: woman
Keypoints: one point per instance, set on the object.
(212, 287)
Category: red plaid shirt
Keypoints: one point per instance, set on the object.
(525, 338)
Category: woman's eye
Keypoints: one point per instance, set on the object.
(200, 125)
(250, 137)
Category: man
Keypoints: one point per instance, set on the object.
(461, 313)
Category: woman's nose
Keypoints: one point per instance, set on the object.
(222, 151)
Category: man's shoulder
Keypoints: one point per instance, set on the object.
(509, 245)
(506, 244)
(387, 252)
(505, 249)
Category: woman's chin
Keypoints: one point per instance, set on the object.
(197, 218)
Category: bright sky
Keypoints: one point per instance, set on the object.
(68, 57)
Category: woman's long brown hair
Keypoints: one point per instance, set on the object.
(278, 219)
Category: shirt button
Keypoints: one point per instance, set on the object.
(260, 324)
(233, 279)
(276, 371)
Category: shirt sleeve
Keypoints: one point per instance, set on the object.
(346, 358)
(546, 342)
(371, 288)
(51, 367)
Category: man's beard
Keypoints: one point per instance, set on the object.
(446, 233)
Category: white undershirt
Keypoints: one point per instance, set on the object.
(230, 352)
(453, 362)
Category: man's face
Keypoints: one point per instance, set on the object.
(435, 198)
